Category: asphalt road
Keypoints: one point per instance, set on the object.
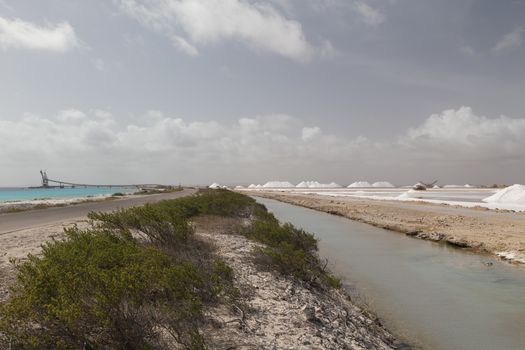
(34, 218)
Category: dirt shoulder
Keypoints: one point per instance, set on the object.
(499, 233)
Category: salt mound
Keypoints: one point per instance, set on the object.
(214, 186)
(514, 194)
(333, 185)
(436, 186)
(252, 186)
(468, 186)
(239, 187)
(408, 194)
(278, 184)
(382, 184)
(315, 184)
(360, 184)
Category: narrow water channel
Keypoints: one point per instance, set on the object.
(430, 294)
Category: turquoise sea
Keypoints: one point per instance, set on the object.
(24, 194)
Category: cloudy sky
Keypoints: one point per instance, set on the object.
(245, 91)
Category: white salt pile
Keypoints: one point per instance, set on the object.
(409, 194)
(436, 186)
(252, 186)
(333, 185)
(382, 184)
(514, 194)
(278, 184)
(360, 184)
(214, 186)
(239, 187)
(315, 184)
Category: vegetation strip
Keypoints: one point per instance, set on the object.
(139, 278)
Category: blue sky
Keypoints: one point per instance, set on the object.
(241, 91)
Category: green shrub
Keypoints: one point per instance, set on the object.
(223, 202)
(289, 250)
(162, 227)
(273, 234)
(104, 291)
(290, 261)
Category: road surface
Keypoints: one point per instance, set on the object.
(34, 218)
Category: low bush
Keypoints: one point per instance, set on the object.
(162, 227)
(289, 250)
(98, 290)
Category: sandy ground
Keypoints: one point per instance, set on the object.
(499, 233)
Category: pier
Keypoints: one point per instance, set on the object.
(51, 183)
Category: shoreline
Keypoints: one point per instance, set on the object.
(43, 203)
(500, 234)
(15, 206)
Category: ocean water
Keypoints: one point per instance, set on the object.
(25, 194)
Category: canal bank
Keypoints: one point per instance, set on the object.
(431, 294)
(501, 233)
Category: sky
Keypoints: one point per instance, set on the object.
(245, 91)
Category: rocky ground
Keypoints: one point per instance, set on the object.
(498, 233)
(280, 313)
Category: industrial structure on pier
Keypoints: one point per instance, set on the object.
(50, 183)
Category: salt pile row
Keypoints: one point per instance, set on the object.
(367, 184)
(315, 184)
(278, 184)
(304, 184)
(215, 186)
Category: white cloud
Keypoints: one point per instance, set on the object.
(461, 133)
(509, 42)
(159, 147)
(191, 24)
(16, 33)
(73, 139)
(310, 133)
(369, 15)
